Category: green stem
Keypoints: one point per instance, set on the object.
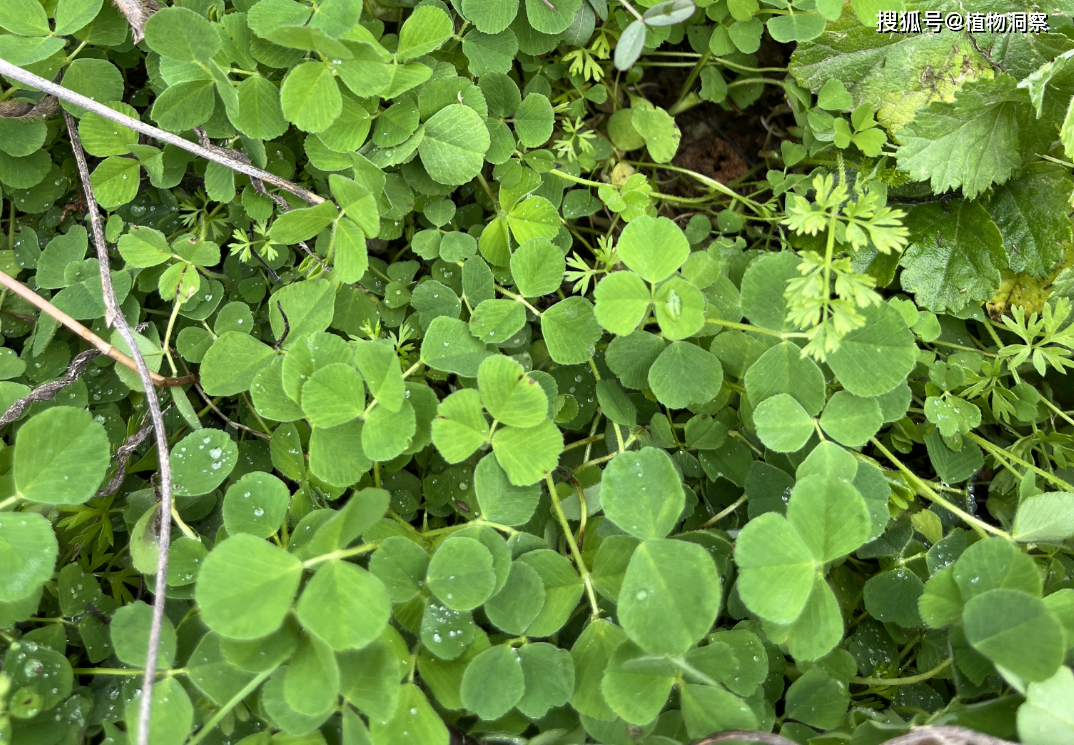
(690, 81)
(993, 449)
(4, 504)
(724, 513)
(573, 545)
(1056, 410)
(908, 681)
(754, 329)
(925, 490)
(748, 81)
(518, 299)
(231, 704)
(168, 336)
(343, 553)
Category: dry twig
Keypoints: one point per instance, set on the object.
(35, 81)
(114, 316)
(102, 346)
(48, 391)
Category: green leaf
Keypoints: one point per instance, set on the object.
(510, 396)
(201, 461)
(309, 307)
(680, 308)
(999, 621)
(797, 27)
(415, 717)
(685, 374)
(500, 500)
(256, 504)
(534, 120)
(22, 137)
(670, 596)
(401, 565)
(533, 217)
(182, 34)
(61, 456)
(303, 224)
(570, 331)
(1026, 211)
(829, 515)
(851, 420)
(232, 362)
(528, 455)
(171, 714)
(246, 586)
(875, 358)
(425, 30)
(310, 98)
(1047, 716)
(776, 568)
(635, 685)
(130, 635)
(549, 678)
(454, 144)
(537, 268)
(185, 105)
(450, 347)
(892, 597)
(993, 563)
(115, 181)
(817, 699)
(659, 131)
(333, 395)
(336, 456)
(653, 247)
(142, 247)
(490, 16)
(629, 48)
(642, 493)
(460, 427)
(28, 552)
(344, 605)
(763, 285)
(493, 682)
(953, 250)
(311, 682)
(1045, 518)
(388, 433)
(553, 18)
(460, 574)
(970, 142)
(518, 602)
(782, 424)
(783, 369)
(25, 17)
(259, 115)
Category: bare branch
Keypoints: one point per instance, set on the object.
(48, 391)
(102, 346)
(113, 316)
(137, 13)
(28, 78)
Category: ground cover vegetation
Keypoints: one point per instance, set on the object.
(548, 372)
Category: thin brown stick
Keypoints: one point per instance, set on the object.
(114, 316)
(48, 391)
(28, 78)
(102, 346)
